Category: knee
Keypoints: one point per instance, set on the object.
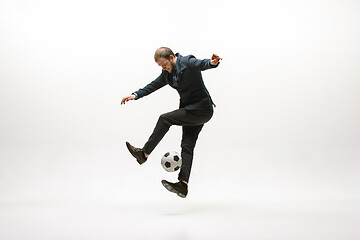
(163, 119)
(162, 116)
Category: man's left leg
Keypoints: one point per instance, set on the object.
(190, 135)
(188, 142)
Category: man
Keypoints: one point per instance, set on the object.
(196, 108)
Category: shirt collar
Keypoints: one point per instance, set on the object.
(177, 66)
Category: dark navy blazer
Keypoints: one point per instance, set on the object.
(187, 81)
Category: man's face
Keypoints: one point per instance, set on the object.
(166, 64)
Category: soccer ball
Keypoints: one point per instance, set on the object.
(171, 161)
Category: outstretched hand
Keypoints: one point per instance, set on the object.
(215, 59)
(127, 98)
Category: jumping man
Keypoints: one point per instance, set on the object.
(196, 108)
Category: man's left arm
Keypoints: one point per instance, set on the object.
(204, 64)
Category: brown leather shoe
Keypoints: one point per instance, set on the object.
(179, 188)
(137, 153)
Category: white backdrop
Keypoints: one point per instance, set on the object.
(286, 124)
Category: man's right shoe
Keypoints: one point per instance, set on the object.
(137, 153)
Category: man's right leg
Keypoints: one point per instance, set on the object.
(162, 126)
(178, 117)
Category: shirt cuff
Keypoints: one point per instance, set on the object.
(214, 66)
(136, 96)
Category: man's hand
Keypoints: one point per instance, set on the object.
(128, 98)
(215, 59)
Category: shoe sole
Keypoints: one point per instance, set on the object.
(171, 189)
(128, 147)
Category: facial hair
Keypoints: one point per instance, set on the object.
(173, 67)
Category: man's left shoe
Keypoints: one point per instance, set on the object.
(180, 188)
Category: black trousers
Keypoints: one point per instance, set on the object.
(192, 122)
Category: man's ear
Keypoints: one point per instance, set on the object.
(172, 57)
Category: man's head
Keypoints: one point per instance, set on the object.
(165, 58)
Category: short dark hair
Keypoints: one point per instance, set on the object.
(163, 52)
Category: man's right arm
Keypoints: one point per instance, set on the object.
(158, 83)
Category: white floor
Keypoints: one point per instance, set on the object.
(183, 220)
